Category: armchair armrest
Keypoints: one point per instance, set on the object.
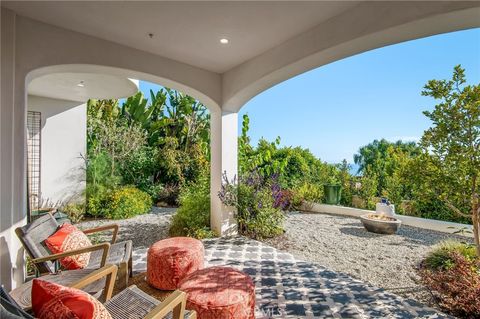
(104, 246)
(174, 303)
(109, 271)
(113, 227)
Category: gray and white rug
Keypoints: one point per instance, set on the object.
(291, 288)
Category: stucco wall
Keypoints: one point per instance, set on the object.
(437, 225)
(62, 146)
(12, 157)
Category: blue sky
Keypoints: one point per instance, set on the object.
(337, 108)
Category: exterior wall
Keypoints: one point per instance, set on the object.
(437, 225)
(64, 141)
(12, 157)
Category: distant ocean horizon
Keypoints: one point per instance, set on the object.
(353, 168)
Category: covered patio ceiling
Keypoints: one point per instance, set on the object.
(268, 42)
(188, 32)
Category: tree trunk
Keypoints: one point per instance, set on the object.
(476, 225)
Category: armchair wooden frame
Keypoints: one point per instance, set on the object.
(175, 303)
(33, 235)
(103, 246)
(113, 227)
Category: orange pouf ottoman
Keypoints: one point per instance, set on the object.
(170, 260)
(220, 293)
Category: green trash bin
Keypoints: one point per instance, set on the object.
(333, 193)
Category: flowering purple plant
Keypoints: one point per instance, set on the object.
(259, 201)
(229, 191)
(281, 198)
(228, 194)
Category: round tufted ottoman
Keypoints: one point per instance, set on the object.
(170, 260)
(220, 293)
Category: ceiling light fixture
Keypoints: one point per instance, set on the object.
(81, 84)
(224, 41)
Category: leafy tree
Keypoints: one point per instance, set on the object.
(119, 141)
(453, 143)
(99, 112)
(260, 159)
(157, 144)
(183, 118)
(379, 158)
(419, 182)
(369, 187)
(345, 179)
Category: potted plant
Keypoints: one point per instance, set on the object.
(333, 191)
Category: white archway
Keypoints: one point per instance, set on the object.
(122, 73)
(340, 38)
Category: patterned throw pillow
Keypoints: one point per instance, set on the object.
(67, 238)
(52, 301)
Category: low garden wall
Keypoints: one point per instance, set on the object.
(447, 227)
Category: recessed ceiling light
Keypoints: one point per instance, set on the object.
(224, 41)
(81, 84)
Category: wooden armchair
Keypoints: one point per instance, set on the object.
(131, 303)
(33, 235)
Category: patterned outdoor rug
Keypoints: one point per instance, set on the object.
(290, 288)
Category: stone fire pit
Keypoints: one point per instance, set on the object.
(380, 223)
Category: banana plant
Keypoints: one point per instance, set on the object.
(137, 110)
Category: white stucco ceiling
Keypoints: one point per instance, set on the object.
(188, 32)
(82, 86)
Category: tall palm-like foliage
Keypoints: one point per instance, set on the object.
(178, 127)
(185, 119)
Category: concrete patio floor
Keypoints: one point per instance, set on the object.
(287, 287)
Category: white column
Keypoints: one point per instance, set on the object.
(224, 159)
(12, 156)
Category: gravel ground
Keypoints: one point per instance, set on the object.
(342, 244)
(143, 230)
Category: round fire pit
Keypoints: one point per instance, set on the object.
(380, 224)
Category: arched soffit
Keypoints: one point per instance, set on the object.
(127, 74)
(309, 50)
(43, 48)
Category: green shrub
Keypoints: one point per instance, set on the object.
(259, 204)
(267, 223)
(307, 192)
(193, 216)
(97, 200)
(74, 211)
(169, 194)
(126, 202)
(154, 190)
(440, 258)
(140, 168)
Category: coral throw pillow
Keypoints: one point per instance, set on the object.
(67, 238)
(52, 301)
